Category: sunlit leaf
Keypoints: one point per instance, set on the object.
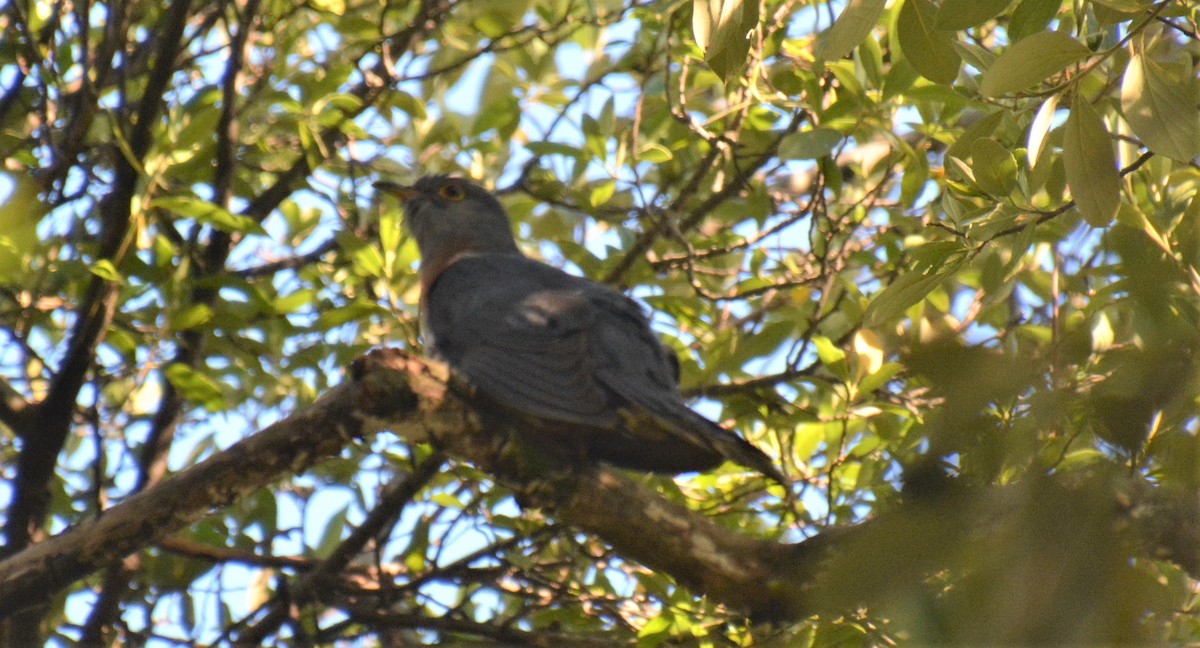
(19, 217)
(190, 316)
(831, 356)
(655, 154)
(195, 386)
(1031, 61)
(850, 29)
(868, 352)
(723, 29)
(106, 271)
(1102, 334)
(1040, 128)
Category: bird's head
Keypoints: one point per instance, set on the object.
(449, 217)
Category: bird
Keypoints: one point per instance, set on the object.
(572, 360)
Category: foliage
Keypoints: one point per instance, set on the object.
(906, 247)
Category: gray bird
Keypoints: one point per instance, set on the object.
(572, 360)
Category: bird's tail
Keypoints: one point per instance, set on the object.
(742, 452)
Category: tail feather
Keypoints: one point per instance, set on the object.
(733, 447)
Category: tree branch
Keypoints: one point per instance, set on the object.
(287, 447)
(15, 411)
(35, 465)
(399, 493)
(835, 569)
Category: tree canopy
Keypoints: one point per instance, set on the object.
(938, 258)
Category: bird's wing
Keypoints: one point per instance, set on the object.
(520, 334)
(553, 346)
(633, 364)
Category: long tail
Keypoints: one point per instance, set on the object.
(735, 448)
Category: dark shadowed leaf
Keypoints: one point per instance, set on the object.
(1160, 102)
(1091, 165)
(908, 289)
(851, 28)
(964, 14)
(810, 144)
(205, 212)
(1030, 17)
(994, 167)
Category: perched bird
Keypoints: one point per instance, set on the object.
(572, 360)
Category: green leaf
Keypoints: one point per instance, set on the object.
(722, 29)
(1125, 5)
(332, 534)
(106, 271)
(655, 154)
(495, 18)
(994, 167)
(189, 316)
(1030, 17)
(930, 50)
(337, 7)
(810, 144)
(285, 304)
(601, 192)
(850, 29)
(985, 127)
(832, 356)
(963, 14)
(1030, 61)
(19, 217)
(205, 212)
(1160, 103)
(554, 148)
(1039, 129)
(195, 386)
(414, 107)
(1090, 164)
(907, 290)
(357, 310)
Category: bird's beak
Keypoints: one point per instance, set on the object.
(403, 192)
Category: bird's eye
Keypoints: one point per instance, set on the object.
(451, 192)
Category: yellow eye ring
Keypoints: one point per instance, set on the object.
(451, 192)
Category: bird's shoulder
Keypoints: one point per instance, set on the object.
(505, 282)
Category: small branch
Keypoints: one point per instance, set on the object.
(290, 263)
(15, 411)
(218, 555)
(399, 493)
(506, 634)
(1044, 217)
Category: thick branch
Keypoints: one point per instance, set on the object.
(837, 569)
(289, 446)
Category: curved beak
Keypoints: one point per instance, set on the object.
(403, 192)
